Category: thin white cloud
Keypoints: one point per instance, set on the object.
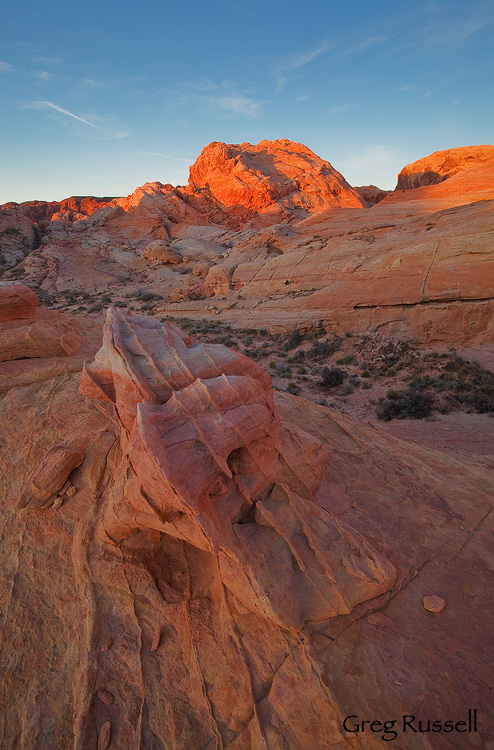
(43, 104)
(43, 75)
(46, 60)
(163, 156)
(238, 103)
(5, 67)
(304, 97)
(407, 87)
(453, 33)
(365, 44)
(283, 68)
(340, 108)
(212, 98)
(372, 157)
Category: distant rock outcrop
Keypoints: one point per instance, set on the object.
(372, 194)
(279, 174)
(440, 165)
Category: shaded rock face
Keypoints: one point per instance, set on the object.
(208, 461)
(281, 173)
(372, 194)
(440, 165)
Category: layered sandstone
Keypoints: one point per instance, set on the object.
(271, 173)
(180, 535)
(441, 165)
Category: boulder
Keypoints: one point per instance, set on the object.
(17, 301)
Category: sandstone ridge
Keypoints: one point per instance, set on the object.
(209, 462)
(188, 535)
(440, 165)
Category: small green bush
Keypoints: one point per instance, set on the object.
(409, 404)
(332, 377)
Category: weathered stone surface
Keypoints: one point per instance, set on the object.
(165, 619)
(160, 251)
(434, 603)
(281, 173)
(440, 165)
(17, 301)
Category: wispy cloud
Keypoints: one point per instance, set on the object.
(244, 105)
(452, 33)
(340, 108)
(163, 156)
(207, 97)
(365, 44)
(50, 105)
(287, 66)
(5, 67)
(372, 157)
(406, 87)
(44, 75)
(46, 60)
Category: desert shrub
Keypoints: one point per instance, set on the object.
(106, 299)
(408, 404)
(144, 296)
(332, 377)
(320, 349)
(119, 303)
(294, 340)
(348, 360)
(347, 390)
(292, 388)
(365, 374)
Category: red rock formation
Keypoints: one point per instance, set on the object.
(372, 194)
(272, 173)
(17, 301)
(26, 332)
(208, 462)
(440, 165)
(144, 642)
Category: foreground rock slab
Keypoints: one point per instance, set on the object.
(287, 560)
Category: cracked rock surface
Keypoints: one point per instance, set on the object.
(236, 569)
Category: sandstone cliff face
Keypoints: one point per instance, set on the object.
(281, 173)
(443, 164)
(189, 562)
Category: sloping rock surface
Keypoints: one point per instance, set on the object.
(441, 165)
(228, 564)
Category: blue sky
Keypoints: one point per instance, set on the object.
(98, 98)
